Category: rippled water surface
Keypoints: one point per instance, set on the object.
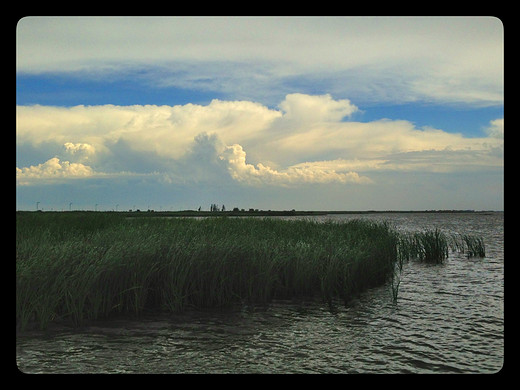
(448, 319)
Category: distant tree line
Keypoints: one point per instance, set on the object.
(214, 207)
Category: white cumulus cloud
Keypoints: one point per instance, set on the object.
(308, 108)
(496, 128)
(306, 140)
(260, 174)
(52, 170)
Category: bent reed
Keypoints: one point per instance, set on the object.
(81, 266)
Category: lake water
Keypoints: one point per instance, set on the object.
(448, 318)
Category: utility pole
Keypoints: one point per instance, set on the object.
(70, 206)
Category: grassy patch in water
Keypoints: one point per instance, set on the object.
(85, 265)
(471, 246)
(430, 246)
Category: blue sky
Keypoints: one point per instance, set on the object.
(322, 113)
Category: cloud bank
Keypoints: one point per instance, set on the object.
(306, 140)
(393, 59)
(241, 171)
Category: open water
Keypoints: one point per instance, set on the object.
(448, 319)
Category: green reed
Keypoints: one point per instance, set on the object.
(470, 245)
(430, 246)
(85, 266)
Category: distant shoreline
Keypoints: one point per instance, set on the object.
(260, 213)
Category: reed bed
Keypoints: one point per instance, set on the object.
(430, 246)
(85, 266)
(470, 245)
(433, 246)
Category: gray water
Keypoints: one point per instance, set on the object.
(448, 319)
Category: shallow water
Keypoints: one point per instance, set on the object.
(448, 319)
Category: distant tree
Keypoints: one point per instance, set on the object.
(223, 208)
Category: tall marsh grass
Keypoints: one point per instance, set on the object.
(471, 246)
(430, 246)
(433, 246)
(85, 266)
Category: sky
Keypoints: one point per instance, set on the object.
(271, 113)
